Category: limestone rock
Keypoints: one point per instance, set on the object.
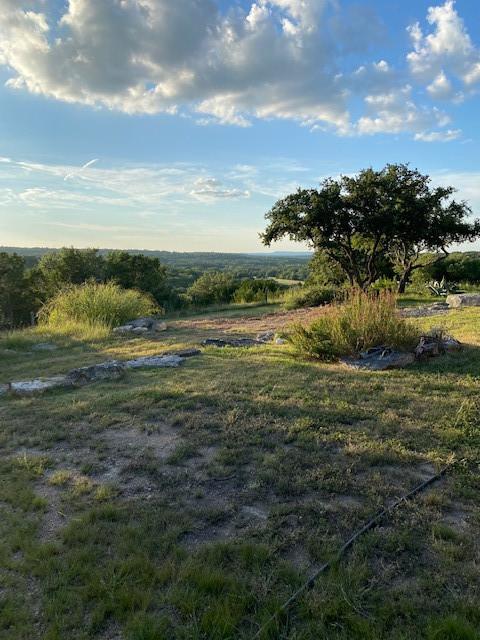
(111, 370)
(155, 361)
(44, 346)
(459, 300)
(160, 326)
(266, 336)
(231, 342)
(380, 359)
(38, 385)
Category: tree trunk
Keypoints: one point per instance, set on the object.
(405, 277)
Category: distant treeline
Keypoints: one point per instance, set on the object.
(28, 282)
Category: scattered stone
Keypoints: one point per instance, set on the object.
(29, 387)
(435, 344)
(126, 328)
(280, 341)
(140, 330)
(111, 370)
(424, 311)
(142, 325)
(155, 361)
(187, 353)
(266, 336)
(380, 359)
(44, 346)
(458, 300)
(231, 342)
(451, 344)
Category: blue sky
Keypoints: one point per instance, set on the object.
(195, 116)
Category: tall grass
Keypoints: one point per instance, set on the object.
(364, 320)
(105, 305)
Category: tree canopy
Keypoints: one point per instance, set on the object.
(357, 221)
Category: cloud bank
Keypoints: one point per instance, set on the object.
(282, 59)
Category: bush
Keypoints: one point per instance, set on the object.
(213, 287)
(364, 320)
(299, 297)
(103, 304)
(255, 290)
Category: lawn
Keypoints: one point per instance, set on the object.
(190, 503)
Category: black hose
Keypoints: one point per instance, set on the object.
(370, 524)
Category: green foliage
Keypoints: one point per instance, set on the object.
(212, 287)
(308, 296)
(96, 304)
(358, 220)
(68, 266)
(254, 290)
(137, 272)
(16, 296)
(364, 320)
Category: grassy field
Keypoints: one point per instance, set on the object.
(190, 503)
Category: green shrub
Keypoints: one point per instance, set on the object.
(96, 304)
(364, 320)
(255, 290)
(212, 287)
(314, 296)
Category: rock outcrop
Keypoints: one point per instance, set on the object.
(459, 300)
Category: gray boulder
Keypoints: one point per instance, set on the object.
(112, 370)
(459, 300)
(380, 359)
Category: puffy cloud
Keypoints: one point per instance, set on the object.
(396, 112)
(438, 136)
(289, 59)
(448, 47)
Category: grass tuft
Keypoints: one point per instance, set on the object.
(104, 305)
(364, 320)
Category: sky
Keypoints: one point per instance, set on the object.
(153, 124)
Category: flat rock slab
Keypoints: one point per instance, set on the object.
(38, 385)
(111, 370)
(459, 300)
(44, 346)
(142, 325)
(380, 359)
(231, 342)
(424, 311)
(155, 361)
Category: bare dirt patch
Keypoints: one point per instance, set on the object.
(255, 324)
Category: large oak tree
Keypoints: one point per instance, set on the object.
(358, 220)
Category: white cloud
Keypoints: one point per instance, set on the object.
(208, 189)
(287, 59)
(440, 87)
(397, 112)
(438, 136)
(448, 48)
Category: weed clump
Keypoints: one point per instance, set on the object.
(362, 321)
(106, 305)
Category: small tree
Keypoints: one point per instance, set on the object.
(212, 287)
(68, 266)
(16, 298)
(359, 221)
(137, 272)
